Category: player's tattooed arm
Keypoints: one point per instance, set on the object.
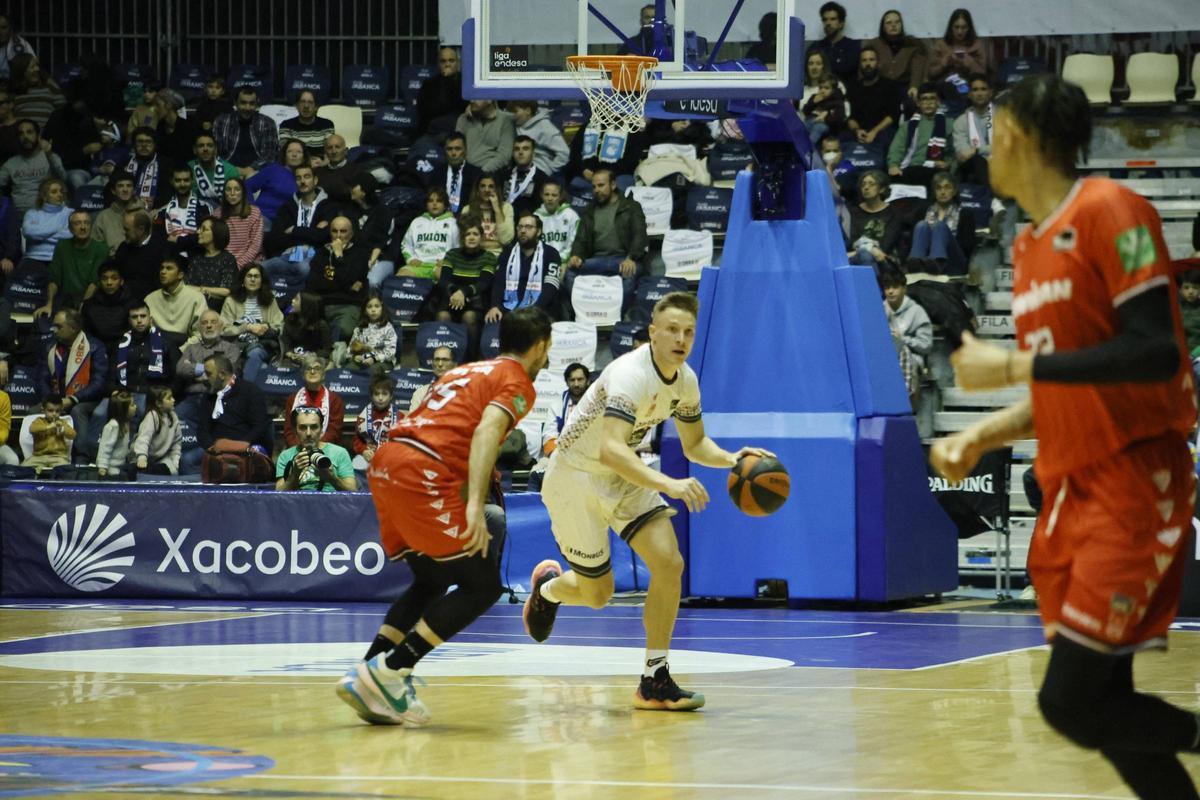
(955, 456)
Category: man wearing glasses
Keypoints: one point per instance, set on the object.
(442, 362)
(315, 394)
(313, 465)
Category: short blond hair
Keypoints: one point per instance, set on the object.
(680, 300)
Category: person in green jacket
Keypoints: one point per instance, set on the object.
(74, 267)
(1189, 309)
(924, 143)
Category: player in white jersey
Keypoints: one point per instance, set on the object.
(596, 481)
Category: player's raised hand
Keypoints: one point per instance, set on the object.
(477, 534)
(690, 491)
(955, 456)
(983, 366)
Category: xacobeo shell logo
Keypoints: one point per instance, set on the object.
(87, 546)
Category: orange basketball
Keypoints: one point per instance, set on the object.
(758, 485)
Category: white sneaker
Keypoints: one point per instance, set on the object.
(382, 696)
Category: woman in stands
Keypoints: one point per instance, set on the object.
(214, 270)
(37, 96)
(959, 52)
(947, 233)
(874, 224)
(902, 57)
(44, 226)
(159, 438)
(245, 223)
(253, 318)
(274, 184)
(816, 65)
(305, 331)
(499, 227)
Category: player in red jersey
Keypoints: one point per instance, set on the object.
(430, 483)
(1111, 402)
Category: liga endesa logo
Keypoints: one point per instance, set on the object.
(87, 546)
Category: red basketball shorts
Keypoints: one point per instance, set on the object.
(1109, 549)
(418, 501)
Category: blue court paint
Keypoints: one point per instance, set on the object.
(852, 640)
(66, 765)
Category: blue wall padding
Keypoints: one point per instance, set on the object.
(875, 377)
(907, 546)
(810, 541)
(530, 541)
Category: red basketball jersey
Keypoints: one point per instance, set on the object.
(1103, 246)
(445, 422)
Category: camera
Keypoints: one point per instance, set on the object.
(318, 459)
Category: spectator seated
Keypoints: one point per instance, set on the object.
(25, 435)
(432, 335)
(298, 77)
(364, 86)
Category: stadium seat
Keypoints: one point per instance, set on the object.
(353, 385)
(65, 74)
(570, 115)
(489, 340)
(651, 289)
(625, 183)
(572, 342)
(284, 291)
(708, 208)
(1196, 77)
(597, 299)
(1152, 78)
(22, 390)
(408, 380)
(727, 159)
(864, 156)
(1093, 73)
(277, 112)
(658, 203)
(257, 76)
(279, 381)
(187, 435)
(579, 194)
(134, 73)
(432, 335)
(315, 78)
(620, 341)
(25, 437)
(26, 290)
(978, 200)
(411, 78)
(365, 86)
(397, 118)
(89, 198)
(403, 296)
(188, 79)
(686, 252)
(408, 198)
(1014, 69)
(347, 122)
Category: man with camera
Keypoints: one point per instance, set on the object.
(313, 465)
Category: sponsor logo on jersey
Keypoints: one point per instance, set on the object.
(1064, 241)
(437, 236)
(1039, 294)
(1136, 248)
(519, 404)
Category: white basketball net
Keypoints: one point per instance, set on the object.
(613, 108)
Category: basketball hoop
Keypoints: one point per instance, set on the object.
(616, 88)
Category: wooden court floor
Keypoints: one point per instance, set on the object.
(223, 700)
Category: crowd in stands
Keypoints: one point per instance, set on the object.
(228, 246)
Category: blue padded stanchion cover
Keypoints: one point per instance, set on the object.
(907, 546)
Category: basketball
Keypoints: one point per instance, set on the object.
(758, 485)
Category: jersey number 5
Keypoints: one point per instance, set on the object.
(445, 393)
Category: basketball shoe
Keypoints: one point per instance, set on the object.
(661, 693)
(382, 696)
(539, 612)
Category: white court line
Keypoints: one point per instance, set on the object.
(80, 631)
(681, 638)
(759, 787)
(982, 657)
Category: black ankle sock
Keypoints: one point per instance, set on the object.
(382, 644)
(409, 652)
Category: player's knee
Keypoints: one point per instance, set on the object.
(1079, 724)
(596, 592)
(666, 566)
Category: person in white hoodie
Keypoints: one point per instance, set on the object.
(550, 149)
(429, 237)
(560, 222)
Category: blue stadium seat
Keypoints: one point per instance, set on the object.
(403, 297)
(257, 76)
(364, 85)
(134, 73)
(26, 290)
(978, 200)
(426, 155)
(727, 159)
(187, 430)
(353, 385)
(396, 117)
(651, 289)
(22, 391)
(189, 79)
(621, 340)
(432, 335)
(708, 208)
(403, 197)
(489, 340)
(1014, 69)
(279, 381)
(570, 115)
(408, 380)
(284, 292)
(298, 77)
(89, 198)
(411, 78)
(624, 183)
(65, 74)
(864, 156)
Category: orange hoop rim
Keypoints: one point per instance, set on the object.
(625, 71)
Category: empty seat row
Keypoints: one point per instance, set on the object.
(1152, 77)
